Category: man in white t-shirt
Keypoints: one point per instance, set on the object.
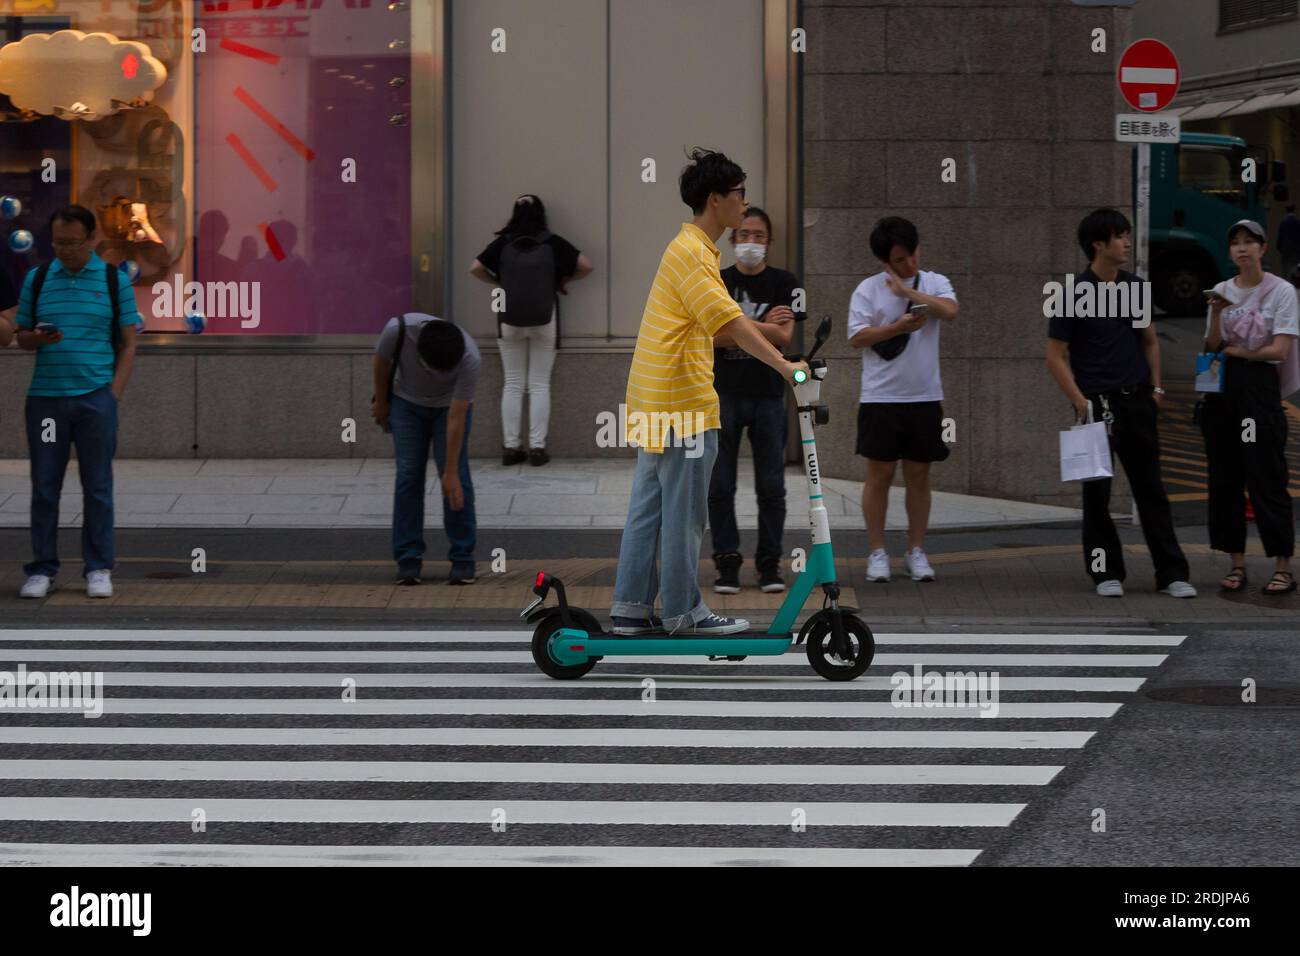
(894, 318)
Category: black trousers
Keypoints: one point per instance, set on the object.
(1250, 391)
(1134, 440)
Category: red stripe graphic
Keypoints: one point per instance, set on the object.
(258, 170)
(243, 49)
(272, 243)
(281, 130)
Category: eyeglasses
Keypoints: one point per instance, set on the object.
(68, 243)
(738, 189)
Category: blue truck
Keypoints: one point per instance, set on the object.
(1197, 192)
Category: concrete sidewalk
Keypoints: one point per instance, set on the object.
(357, 493)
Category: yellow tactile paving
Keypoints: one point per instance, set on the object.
(289, 595)
(358, 595)
(136, 594)
(220, 595)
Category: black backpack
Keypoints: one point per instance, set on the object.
(38, 281)
(527, 274)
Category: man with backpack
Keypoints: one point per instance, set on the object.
(425, 373)
(78, 315)
(530, 265)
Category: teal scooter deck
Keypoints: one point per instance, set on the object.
(570, 646)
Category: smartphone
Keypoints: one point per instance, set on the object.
(1212, 295)
(920, 309)
(46, 327)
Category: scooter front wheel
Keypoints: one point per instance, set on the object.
(841, 663)
(546, 627)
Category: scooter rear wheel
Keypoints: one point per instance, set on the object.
(824, 660)
(546, 627)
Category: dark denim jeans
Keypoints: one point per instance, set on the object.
(415, 428)
(765, 419)
(90, 422)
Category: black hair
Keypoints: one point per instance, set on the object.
(755, 211)
(1291, 208)
(1101, 225)
(708, 172)
(528, 217)
(441, 345)
(75, 213)
(893, 231)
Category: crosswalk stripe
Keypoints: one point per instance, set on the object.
(537, 681)
(517, 812)
(604, 708)
(525, 657)
(115, 855)
(393, 771)
(543, 737)
(523, 637)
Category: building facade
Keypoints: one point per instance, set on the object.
(351, 157)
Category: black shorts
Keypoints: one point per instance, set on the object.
(913, 431)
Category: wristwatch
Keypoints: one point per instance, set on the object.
(1158, 390)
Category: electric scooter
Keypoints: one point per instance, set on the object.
(568, 640)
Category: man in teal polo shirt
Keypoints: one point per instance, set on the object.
(77, 383)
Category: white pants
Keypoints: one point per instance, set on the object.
(527, 356)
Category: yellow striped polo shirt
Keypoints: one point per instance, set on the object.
(670, 385)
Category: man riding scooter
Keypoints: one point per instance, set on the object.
(671, 379)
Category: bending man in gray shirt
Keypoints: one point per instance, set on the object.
(431, 404)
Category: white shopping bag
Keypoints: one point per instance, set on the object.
(1085, 451)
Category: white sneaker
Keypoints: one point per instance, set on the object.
(37, 586)
(878, 565)
(918, 566)
(1111, 588)
(99, 584)
(1179, 589)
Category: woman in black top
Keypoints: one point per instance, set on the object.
(537, 264)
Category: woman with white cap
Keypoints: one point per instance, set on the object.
(1254, 319)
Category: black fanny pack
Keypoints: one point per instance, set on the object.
(891, 348)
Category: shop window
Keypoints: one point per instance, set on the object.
(262, 180)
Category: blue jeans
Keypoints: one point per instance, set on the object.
(665, 518)
(764, 416)
(90, 422)
(415, 428)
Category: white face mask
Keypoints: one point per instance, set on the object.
(751, 253)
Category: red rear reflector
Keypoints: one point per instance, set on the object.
(577, 647)
(540, 576)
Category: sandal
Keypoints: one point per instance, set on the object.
(1233, 581)
(1285, 580)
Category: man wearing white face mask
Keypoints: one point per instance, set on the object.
(750, 395)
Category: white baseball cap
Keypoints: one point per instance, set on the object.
(1251, 226)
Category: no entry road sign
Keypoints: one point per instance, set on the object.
(1148, 75)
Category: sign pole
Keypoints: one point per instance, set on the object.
(1142, 246)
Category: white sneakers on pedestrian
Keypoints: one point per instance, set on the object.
(1179, 589)
(99, 584)
(878, 565)
(36, 586)
(1111, 588)
(918, 566)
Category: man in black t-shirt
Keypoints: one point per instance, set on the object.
(1101, 362)
(751, 395)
